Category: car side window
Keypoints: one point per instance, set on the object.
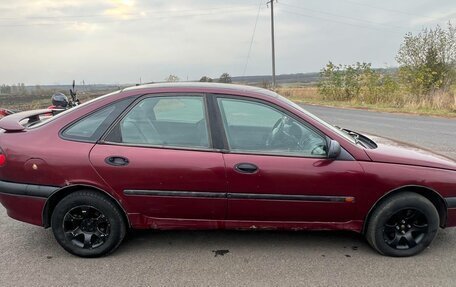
(174, 121)
(259, 128)
(91, 127)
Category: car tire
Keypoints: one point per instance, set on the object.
(88, 224)
(403, 225)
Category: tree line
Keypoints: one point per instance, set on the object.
(18, 89)
(21, 90)
(224, 78)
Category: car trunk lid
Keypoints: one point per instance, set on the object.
(19, 121)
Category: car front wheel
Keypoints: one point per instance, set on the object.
(88, 224)
(403, 225)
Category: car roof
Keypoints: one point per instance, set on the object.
(203, 86)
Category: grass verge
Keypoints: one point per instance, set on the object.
(310, 95)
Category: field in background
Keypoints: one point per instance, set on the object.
(310, 95)
(43, 100)
(301, 94)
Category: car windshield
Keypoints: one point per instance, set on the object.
(298, 107)
(46, 120)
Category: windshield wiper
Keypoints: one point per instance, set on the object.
(364, 140)
(356, 136)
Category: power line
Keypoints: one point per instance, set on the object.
(103, 15)
(334, 21)
(253, 37)
(161, 16)
(388, 9)
(341, 16)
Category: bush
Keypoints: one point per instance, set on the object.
(358, 82)
(172, 78)
(205, 79)
(225, 78)
(428, 62)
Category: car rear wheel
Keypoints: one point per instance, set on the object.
(88, 224)
(403, 225)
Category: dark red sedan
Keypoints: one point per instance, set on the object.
(212, 156)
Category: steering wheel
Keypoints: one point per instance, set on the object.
(277, 131)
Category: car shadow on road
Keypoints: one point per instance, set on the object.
(220, 242)
(174, 244)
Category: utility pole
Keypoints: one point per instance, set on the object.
(271, 2)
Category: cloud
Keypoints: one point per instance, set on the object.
(435, 17)
(84, 27)
(108, 41)
(123, 9)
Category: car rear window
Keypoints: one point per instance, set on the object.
(91, 127)
(46, 119)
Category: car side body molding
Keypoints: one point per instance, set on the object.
(25, 189)
(451, 202)
(347, 199)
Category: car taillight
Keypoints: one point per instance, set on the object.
(2, 158)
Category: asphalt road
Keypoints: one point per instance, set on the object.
(437, 134)
(29, 256)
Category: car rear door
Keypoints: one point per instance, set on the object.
(159, 158)
(277, 167)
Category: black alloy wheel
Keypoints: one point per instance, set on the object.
(88, 224)
(403, 224)
(405, 229)
(86, 227)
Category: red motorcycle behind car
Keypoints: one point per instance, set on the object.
(5, 112)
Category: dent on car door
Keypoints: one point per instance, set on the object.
(277, 168)
(159, 157)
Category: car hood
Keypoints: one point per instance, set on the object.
(393, 151)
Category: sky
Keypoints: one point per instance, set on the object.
(127, 41)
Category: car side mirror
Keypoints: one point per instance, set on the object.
(334, 149)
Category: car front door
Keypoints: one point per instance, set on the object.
(159, 157)
(278, 170)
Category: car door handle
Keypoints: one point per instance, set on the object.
(117, 160)
(246, 167)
